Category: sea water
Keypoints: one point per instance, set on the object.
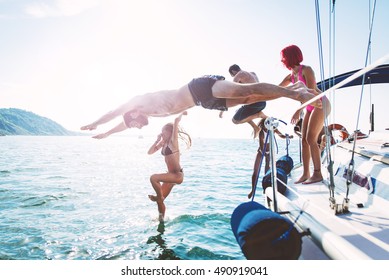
(77, 198)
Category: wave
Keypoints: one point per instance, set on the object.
(198, 253)
(40, 201)
(94, 205)
(200, 219)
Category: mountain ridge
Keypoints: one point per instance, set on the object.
(14, 121)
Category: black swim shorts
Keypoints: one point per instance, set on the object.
(248, 110)
(201, 90)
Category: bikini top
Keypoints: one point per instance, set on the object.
(167, 151)
(300, 76)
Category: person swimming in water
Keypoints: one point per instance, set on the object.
(167, 142)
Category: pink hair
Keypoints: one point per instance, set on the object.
(291, 56)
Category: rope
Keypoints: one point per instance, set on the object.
(286, 234)
(350, 169)
(366, 61)
(287, 143)
(320, 47)
(319, 41)
(321, 59)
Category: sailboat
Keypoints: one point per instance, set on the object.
(345, 216)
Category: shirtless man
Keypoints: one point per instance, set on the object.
(247, 113)
(211, 92)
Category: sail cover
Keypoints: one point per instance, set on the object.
(378, 75)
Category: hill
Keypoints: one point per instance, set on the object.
(19, 122)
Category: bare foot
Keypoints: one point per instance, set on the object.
(302, 179)
(316, 177)
(155, 198)
(161, 210)
(250, 195)
(100, 136)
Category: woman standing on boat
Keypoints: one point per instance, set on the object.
(313, 121)
(167, 141)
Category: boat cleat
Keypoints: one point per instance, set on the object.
(340, 208)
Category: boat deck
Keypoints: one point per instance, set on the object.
(375, 149)
(360, 233)
(365, 227)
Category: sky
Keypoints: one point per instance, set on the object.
(74, 60)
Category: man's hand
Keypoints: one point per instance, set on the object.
(89, 127)
(100, 136)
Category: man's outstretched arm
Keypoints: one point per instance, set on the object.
(120, 127)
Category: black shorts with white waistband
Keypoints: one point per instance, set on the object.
(201, 90)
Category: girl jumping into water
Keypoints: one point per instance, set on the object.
(167, 142)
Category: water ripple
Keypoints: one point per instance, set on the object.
(77, 198)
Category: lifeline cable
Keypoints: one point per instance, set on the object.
(326, 131)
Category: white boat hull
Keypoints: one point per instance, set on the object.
(362, 232)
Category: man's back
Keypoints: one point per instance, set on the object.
(245, 77)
